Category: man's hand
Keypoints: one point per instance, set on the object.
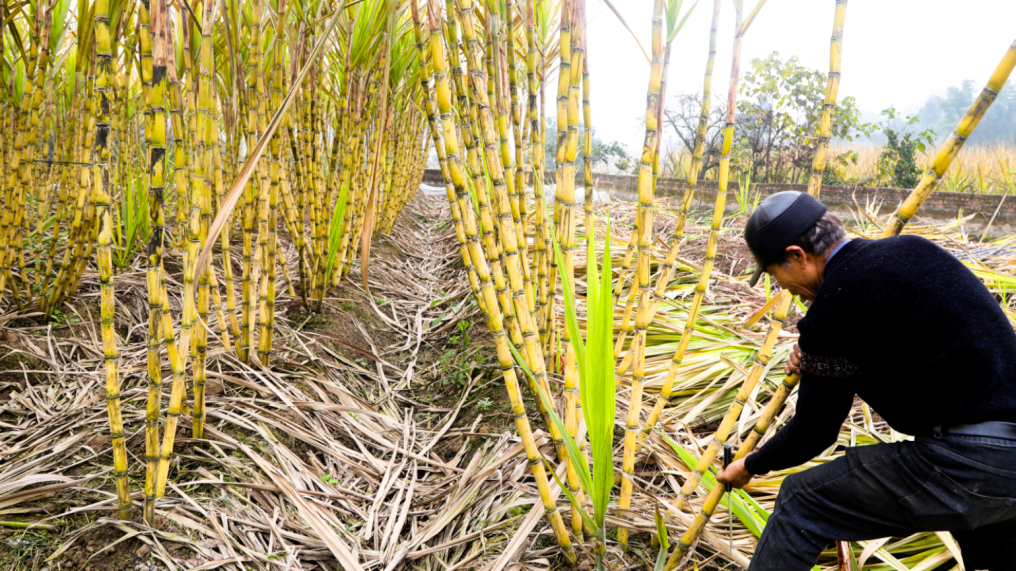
(794, 363)
(735, 475)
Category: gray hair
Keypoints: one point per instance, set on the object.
(820, 237)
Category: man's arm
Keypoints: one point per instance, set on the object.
(822, 405)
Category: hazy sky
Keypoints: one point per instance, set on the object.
(895, 52)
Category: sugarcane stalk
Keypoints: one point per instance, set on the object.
(644, 216)
(505, 358)
(772, 409)
(829, 105)
(948, 151)
(103, 200)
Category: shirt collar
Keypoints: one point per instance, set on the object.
(842, 243)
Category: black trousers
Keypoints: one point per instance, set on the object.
(962, 484)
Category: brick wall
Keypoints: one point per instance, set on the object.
(939, 206)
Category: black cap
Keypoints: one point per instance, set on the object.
(776, 223)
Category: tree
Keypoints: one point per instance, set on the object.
(943, 113)
(682, 116)
(778, 119)
(897, 163)
(603, 153)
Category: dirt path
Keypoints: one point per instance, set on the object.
(377, 439)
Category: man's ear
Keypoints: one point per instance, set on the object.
(796, 253)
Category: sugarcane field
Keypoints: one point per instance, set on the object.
(507, 285)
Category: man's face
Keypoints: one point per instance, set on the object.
(799, 274)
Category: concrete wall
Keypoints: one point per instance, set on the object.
(940, 206)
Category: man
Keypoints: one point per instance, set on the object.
(905, 326)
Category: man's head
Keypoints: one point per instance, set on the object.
(790, 235)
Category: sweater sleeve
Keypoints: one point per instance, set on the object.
(823, 404)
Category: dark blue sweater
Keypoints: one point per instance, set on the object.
(904, 325)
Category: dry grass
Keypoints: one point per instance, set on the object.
(338, 452)
(981, 168)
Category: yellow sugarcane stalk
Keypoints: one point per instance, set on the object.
(952, 145)
(569, 84)
(664, 276)
(675, 241)
(103, 200)
(644, 217)
(499, 199)
(156, 132)
(442, 157)
(536, 150)
(770, 412)
(189, 316)
(444, 100)
(829, 106)
(758, 368)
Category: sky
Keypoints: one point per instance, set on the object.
(895, 52)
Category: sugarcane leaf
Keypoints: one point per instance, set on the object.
(759, 510)
(751, 17)
(625, 24)
(571, 497)
(745, 515)
(335, 230)
(661, 530)
(599, 401)
(684, 20)
(661, 533)
(574, 454)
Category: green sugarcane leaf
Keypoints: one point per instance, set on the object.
(684, 21)
(571, 497)
(759, 510)
(574, 454)
(599, 401)
(335, 230)
(661, 531)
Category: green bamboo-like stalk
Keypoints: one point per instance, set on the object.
(103, 201)
(952, 145)
(829, 106)
(496, 323)
(644, 217)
